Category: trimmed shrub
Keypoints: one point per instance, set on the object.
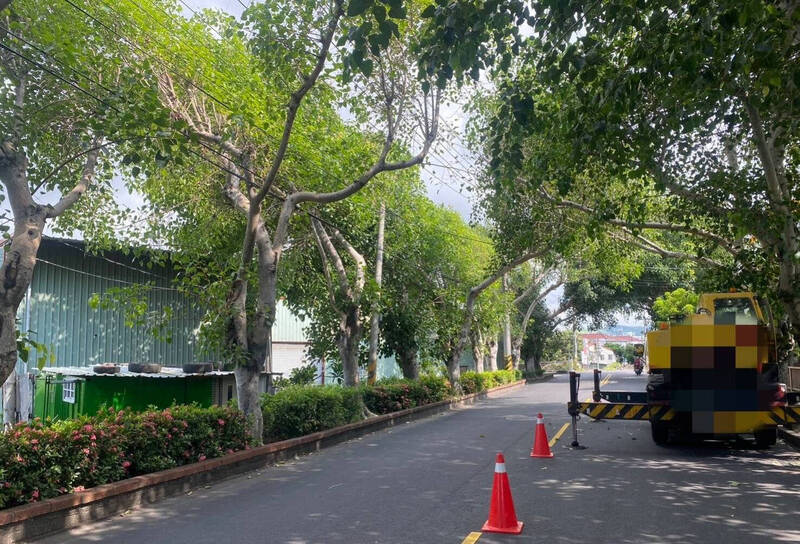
(393, 395)
(40, 460)
(474, 382)
(300, 410)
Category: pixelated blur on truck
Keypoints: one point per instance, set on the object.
(717, 369)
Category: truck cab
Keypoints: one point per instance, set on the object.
(717, 369)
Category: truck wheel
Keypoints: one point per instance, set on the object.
(766, 438)
(660, 432)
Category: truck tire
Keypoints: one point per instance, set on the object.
(766, 438)
(660, 432)
(106, 369)
(144, 368)
(197, 368)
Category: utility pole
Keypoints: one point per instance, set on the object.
(372, 366)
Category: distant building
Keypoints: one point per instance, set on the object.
(594, 352)
(597, 357)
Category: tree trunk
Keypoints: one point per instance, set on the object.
(407, 360)
(372, 365)
(516, 349)
(249, 398)
(507, 349)
(348, 341)
(491, 361)
(19, 257)
(476, 338)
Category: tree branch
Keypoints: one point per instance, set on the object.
(293, 200)
(338, 265)
(86, 178)
(361, 264)
(701, 233)
(534, 284)
(648, 245)
(325, 270)
(297, 97)
(776, 193)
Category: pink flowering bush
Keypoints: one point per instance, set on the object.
(40, 460)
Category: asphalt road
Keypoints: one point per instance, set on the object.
(429, 482)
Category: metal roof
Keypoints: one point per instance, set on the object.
(166, 372)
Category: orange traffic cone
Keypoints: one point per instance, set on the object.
(502, 517)
(541, 447)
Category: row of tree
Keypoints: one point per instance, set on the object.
(252, 141)
(628, 151)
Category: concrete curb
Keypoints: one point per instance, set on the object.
(543, 378)
(32, 521)
(791, 437)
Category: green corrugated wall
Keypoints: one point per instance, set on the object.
(138, 393)
(63, 281)
(66, 277)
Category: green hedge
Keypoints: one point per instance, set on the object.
(40, 460)
(393, 395)
(305, 409)
(474, 382)
(46, 459)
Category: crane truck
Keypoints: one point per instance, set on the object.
(712, 375)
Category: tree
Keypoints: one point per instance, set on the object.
(68, 110)
(663, 118)
(624, 353)
(257, 116)
(674, 305)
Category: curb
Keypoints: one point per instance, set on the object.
(791, 437)
(32, 521)
(543, 378)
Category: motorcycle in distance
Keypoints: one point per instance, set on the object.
(638, 361)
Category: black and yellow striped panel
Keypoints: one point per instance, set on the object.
(785, 414)
(622, 410)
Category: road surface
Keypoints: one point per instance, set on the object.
(429, 482)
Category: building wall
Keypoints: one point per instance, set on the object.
(60, 316)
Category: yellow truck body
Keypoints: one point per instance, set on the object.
(716, 368)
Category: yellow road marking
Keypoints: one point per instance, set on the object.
(472, 538)
(558, 435)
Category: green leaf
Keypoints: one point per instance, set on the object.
(428, 12)
(379, 12)
(366, 67)
(358, 7)
(397, 11)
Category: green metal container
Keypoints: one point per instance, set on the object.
(63, 393)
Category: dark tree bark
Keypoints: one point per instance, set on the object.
(409, 365)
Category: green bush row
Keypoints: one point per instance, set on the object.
(393, 395)
(40, 460)
(475, 382)
(301, 410)
(304, 409)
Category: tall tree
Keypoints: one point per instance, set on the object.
(257, 103)
(67, 109)
(690, 105)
